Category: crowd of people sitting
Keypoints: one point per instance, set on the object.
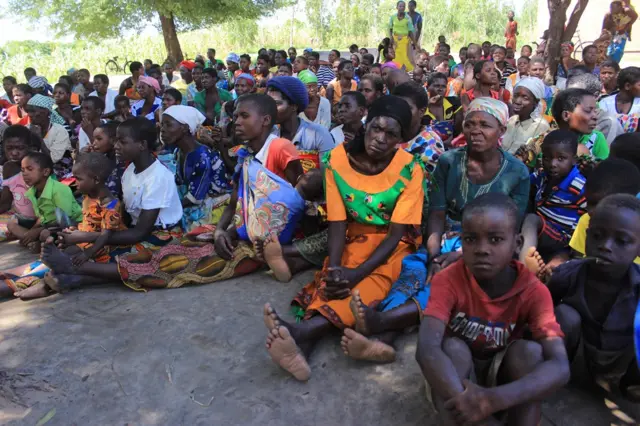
(470, 198)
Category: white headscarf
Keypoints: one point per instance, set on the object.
(186, 115)
(537, 89)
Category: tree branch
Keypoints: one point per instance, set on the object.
(574, 19)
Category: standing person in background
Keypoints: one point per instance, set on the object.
(402, 34)
(511, 31)
(618, 21)
(416, 18)
(129, 86)
(293, 54)
(108, 96)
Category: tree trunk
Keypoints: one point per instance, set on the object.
(171, 42)
(557, 18)
(574, 19)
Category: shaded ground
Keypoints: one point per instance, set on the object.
(195, 356)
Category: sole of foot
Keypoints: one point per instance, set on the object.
(533, 261)
(358, 311)
(271, 319)
(357, 346)
(285, 352)
(272, 252)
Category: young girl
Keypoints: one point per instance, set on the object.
(626, 103)
(104, 140)
(70, 113)
(17, 114)
(123, 109)
(343, 83)
(486, 76)
(17, 141)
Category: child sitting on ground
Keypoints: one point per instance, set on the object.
(101, 214)
(612, 176)
(471, 336)
(597, 296)
(559, 203)
(46, 195)
(17, 142)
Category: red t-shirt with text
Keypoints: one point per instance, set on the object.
(489, 325)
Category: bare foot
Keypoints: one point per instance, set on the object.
(258, 246)
(271, 318)
(285, 352)
(532, 260)
(59, 262)
(273, 256)
(356, 346)
(367, 321)
(34, 247)
(36, 291)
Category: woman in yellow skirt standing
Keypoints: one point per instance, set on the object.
(402, 33)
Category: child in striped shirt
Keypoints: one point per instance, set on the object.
(558, 204)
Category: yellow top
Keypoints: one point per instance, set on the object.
(579, 238)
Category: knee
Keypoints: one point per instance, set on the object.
(569, 320)
(522, 357)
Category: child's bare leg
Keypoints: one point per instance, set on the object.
(16, 230)
(529, 255)
(522, 357)
(460, 355)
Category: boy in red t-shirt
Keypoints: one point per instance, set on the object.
(470, 346)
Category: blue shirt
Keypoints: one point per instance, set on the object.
(310, 137)
(562, 207)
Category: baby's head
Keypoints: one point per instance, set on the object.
(490, 234)
(613, 236)
(612, 176)
(310, 185)
(559, 150)
(91, 171)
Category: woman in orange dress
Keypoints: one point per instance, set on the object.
(372, 188)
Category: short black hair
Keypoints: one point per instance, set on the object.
(43, 160)
(614, 176)
(245, 56)
(369, 57)
(337, 52)
(359, 98)
(445, 45)
(288, 65)
(148, 61)
(134, 66)
(96, 101)
(477, 68)
(141, 129)
(353, 46)
(436, 76)
(567, 100)
(24, 88)
(68, 79)
(463, 48)
(10, 78)
(525, 58)
(19, 132)
(415, 92)
(586, 81)
(526, 45)
(504, 49)
(263, 103)
(110, 128)
(102, 77)
(211, 49)
(562, 137)
(610, 63)
(617, 201)
(376, 81)
(212, 72)
(494, 200)
(84, 71)
(283, 53)
(315, 55)
(98, 164)
(302, 59)
(627, 147)
(265, 57)
(174, 93)
(30, 69)
(578, 70)
(120, 98)
(629, 75)
(63, 86)
(343, 63)
(584, 49)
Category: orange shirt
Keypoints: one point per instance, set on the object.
(13, 116)
(280, 153)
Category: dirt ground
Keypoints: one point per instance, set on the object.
(196, 356)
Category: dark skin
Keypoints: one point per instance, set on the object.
(626, 96)
(36, 176)
(437, 91)
(131, 81)
(14, 151)
(350, 115)
(175, 133)
(64, 108)
(345, 76)
(485, 80)
(489, 243)
(608, 78)
(314, 101)
(149, 95)
(482, 132)
(287, 119)
(523, 103)
(40, 121)
(212, 98)
(90, 118)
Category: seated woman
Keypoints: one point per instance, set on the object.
(201, 174)
(527, 121)
(626, 103)
(268, 204)
(318, 110)
(51, 128)
(129, 86)
(444, 113)
(209, 101)
(150, 103)
(461, 175)
(370, 224)
(575, 110)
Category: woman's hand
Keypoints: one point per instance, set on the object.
(339, 282)
(223, 244)
(440, 262)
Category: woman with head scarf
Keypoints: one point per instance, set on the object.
(201, 174)
(465, 173)
(527, 121)
(185, 81)
(40, 85)
(372, 188)
(47, 124)
(565, 64)
(149, 89)
(318, 110)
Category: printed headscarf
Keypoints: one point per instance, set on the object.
(233, 57)
(494, 107)
(186, 115)
(38, 82)
(150, 81)
(46, 102)
(307, 77)
(248, 77)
